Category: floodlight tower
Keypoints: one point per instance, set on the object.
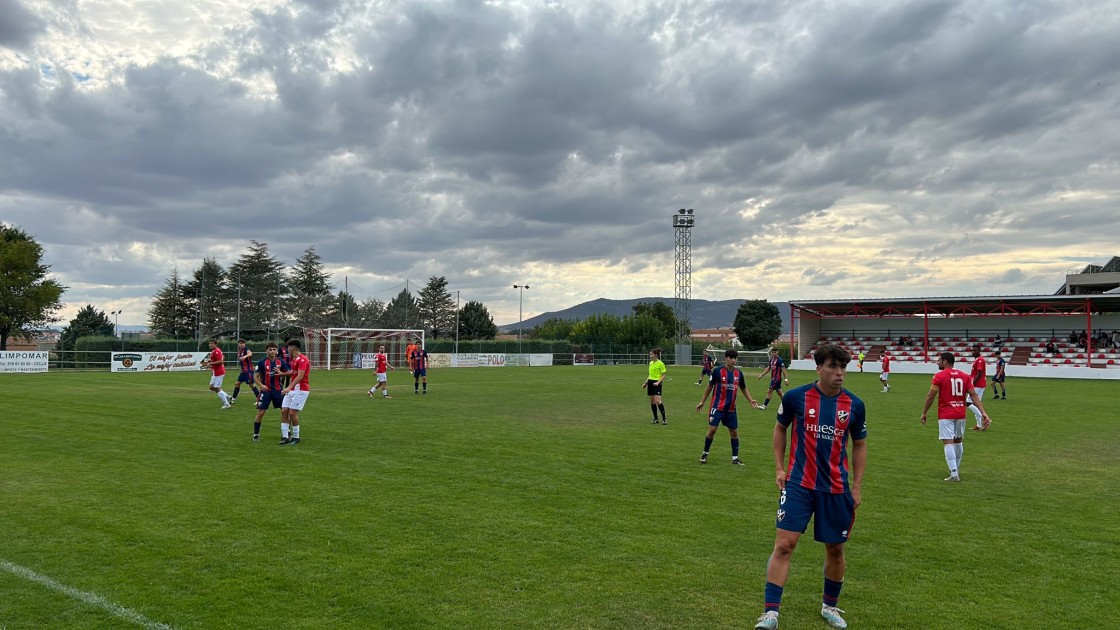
(683, 222)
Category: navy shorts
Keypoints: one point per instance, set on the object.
(653, 388)
(833, 514)
(776, 385)
(420, 372)
(245, 377)
(998, 379)
(729, 419)
(268, 395)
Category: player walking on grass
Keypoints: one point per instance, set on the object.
(979, 381)
(885, 371)
(217, 366)
(295, 394)
(777, 371)
(951, 387)
(725, 381)
(419, 361)
(705, 368)
(999, 377)
(380, 364)
(657, 372)
(245, 362)
(269, 381)
(816, 484)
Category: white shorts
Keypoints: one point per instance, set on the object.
(950, 429)
(884, 376)
(382, 377)
(216, 381)
(980, 392)
(295, 399)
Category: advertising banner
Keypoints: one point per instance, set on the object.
(583, 359)
(23, 360)
(157, 361)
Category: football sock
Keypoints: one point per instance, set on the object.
(256, 393)
(385, 392)
(951, 458)
(256, 428)
(371, 390)
(224, 397)
(661, 408)
(735, 448)
(707, 444)
(284, 430)
(976, 412)
(766, 402)
(236, 390)
(425, 385)
(416, 386)
(295, 431)
(831, 592)
(653, 408)
(959, 449)
(773, 597)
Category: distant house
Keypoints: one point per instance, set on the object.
(721, 335)
(44, 340)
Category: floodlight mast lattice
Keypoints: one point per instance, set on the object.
(683, 222)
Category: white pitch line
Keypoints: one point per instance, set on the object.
(90, 598)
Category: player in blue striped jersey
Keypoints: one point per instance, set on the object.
(724, 384)
(270, 383)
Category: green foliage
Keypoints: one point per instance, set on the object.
(553, 328)
(596, 327)
(209, 295)
(171, 314)
(28, 300)
(642, 330)
(89, 322)
(344, 310)
(400, 312)
(312, 299)
(663, 313)
(371, 314)
(757, 323)
(436, 307)
(545, 526)
(263, 292)
(475, 322)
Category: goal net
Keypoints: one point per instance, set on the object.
(349, 348)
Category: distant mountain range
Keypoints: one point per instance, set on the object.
(704, 313)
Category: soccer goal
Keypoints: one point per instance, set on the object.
(348, 348)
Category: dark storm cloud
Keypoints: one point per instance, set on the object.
(472, 138)
(18, 25)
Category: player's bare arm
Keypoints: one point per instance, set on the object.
(743, 388)
(707, 390)
(930, 397)
(976, 401)
(859, 463)
(780, 455)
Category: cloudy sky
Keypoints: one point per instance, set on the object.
(830, 149)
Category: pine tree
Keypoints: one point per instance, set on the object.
(256, 282)
(27, 299)
(89, 322)
(208, 292)
(171, 314)
(435, 307)
(312, 293)
(371, 314)
(400, 311)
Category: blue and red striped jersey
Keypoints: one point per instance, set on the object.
(419, 359)
(725, 386)
(245, 360)
(818, 459)
(269, 369)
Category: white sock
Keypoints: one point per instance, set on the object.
(295, 431)
(224, 397)
(959, 448)
(385, 393)
(951, 458)
(371, 390)
(284, 430)
(976, 412)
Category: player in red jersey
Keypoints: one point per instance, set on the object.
(380, 364)
(980, 382)
(216, 364)
(885, 371)
(295, 394)
(951, 387)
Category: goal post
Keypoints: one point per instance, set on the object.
(342, 348)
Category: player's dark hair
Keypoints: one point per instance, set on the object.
(976, 352)
(773, 349)
(948, 357)
(271, 344)
(294, 343)
(240, 341)
(656, 352)
(830, 351)
(212, 340)
(730, 353)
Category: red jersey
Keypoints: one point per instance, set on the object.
(381, 362)
(979, 367)
(302, 364)
(216, 364)
(886, 364)
(952, 390)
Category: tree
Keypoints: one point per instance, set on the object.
(435, 308)
(208, 292)
(89, 322)
(312, 293)
(553, 328)
(598, 327)
(663, 313)
(643, 330)
(344, 311)
(475, 322)
(257, 290)
(400, 311)
(371, 314)
(28, 300)
(171, 314)
(757, 324)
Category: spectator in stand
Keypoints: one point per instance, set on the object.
(997, 342)
(1050, 348)
(1073, 336)
(1116, 339)
(1082, 341)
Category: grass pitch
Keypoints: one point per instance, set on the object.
(532, 498)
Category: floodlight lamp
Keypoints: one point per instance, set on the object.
(690, 210)
(682, 211)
